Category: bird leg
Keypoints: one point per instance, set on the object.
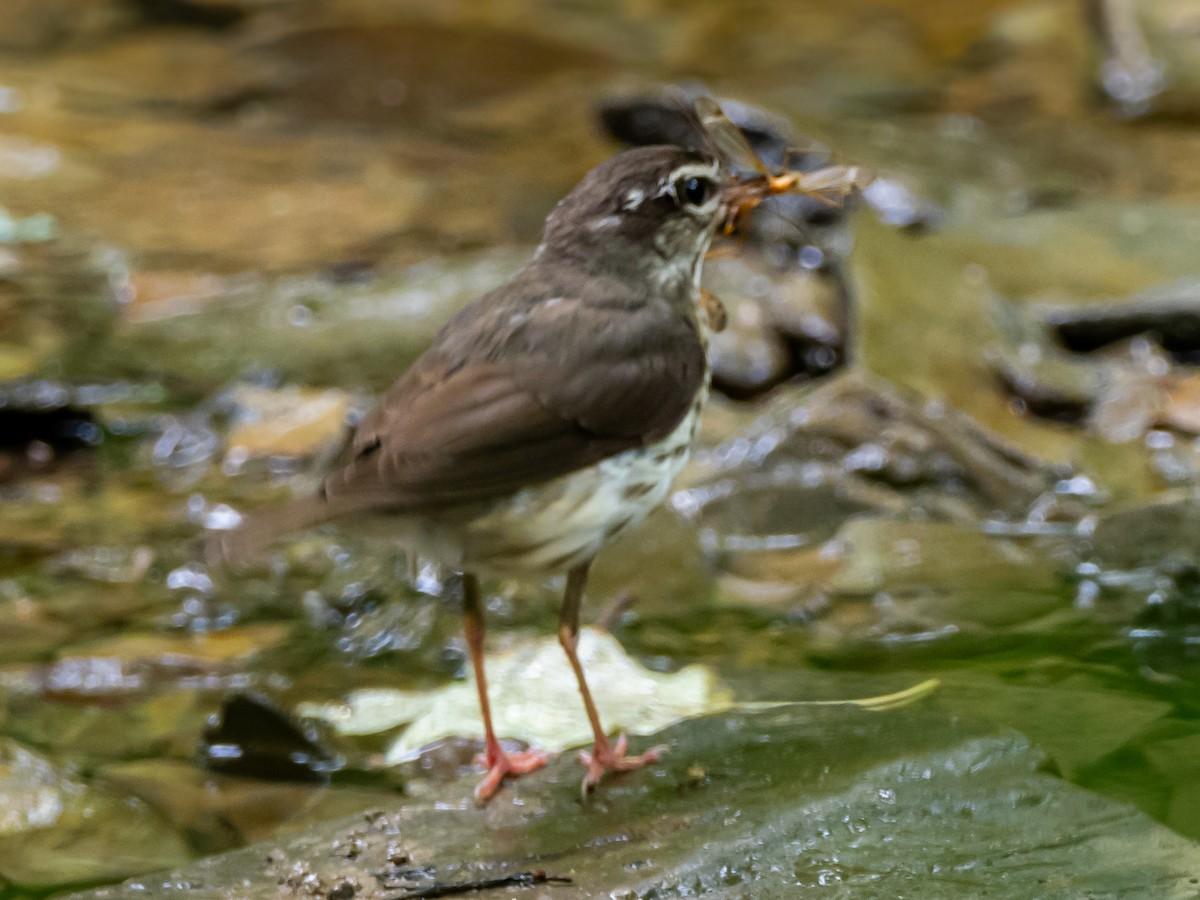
(604, 756)
(500, 765)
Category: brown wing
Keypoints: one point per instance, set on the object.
(561, 386)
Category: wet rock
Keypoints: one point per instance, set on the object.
(60, 298)
(865, 446)
(1130, 403)
(31, 25)
(920, 584)
(289, 421)
(412, 74)
(181, 449)
(1074, 713)
(806, 511)
(891, 775)
(39, 441)
(202, 649)
(111, 565)
(1149, 56)
(210, 15)
(651, 567)
(112, 720)
(375, 623)
(221, 812)
(1047, 385)
(1163, 534)
(1123, 371)
(311, 330)
(646, 119)
(1169, 315)
(302, 201)
(903, 558)
(1141, 562)
(904, 582)
(1181, 405)
(748, 356)
(251, 737)
(809, 308)
(897, 204)
(45, 810)
(34, 793)
(28, 630)
(1038, 376)
(782, 321)
(38, 514)
(79, 679)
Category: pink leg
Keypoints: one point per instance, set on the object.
(500, 765)
(604, 757)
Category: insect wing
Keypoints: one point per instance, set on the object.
(726, 138)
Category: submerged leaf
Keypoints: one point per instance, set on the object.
(535, 699)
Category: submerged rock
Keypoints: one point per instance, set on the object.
(1122, 367)
(45, 808)
(855, 445)
(1164, 533)
(876, 516)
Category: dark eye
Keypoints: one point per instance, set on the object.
(693, 191)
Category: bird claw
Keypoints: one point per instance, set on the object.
(611, 758)
(501, 765)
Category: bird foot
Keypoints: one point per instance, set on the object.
(501, 765)
(607, 757)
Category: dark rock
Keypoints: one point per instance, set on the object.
(252, 737)
(1169, 315)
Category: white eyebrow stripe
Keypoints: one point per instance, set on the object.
(700, 170)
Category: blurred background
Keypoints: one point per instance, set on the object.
(954, 437)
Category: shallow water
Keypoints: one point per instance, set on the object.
(219, 234)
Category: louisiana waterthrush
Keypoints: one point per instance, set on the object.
(550, 415)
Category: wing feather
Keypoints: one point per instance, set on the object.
(525, 408)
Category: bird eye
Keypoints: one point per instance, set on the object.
(693, 191)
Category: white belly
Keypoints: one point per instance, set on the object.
(560, 524)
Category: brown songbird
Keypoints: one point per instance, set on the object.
(547, 417)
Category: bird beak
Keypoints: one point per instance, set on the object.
(830, 185)
(739, 197)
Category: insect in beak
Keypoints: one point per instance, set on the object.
(829, 185)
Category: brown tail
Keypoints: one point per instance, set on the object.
(243, 546)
